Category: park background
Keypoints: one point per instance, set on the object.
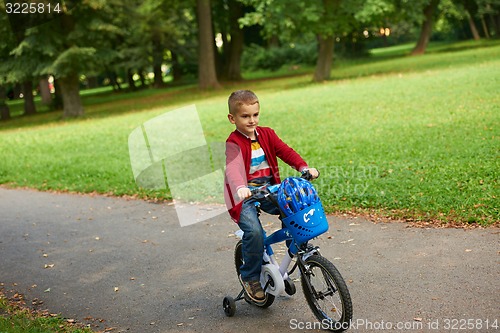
(396, 102)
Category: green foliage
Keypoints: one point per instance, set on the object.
(257, 57)
(389, 134)
(288, 19)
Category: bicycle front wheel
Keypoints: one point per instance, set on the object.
(326, 293)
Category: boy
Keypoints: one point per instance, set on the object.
(251, 160)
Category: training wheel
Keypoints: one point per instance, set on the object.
(229, 306)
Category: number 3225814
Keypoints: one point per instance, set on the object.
(32, 8)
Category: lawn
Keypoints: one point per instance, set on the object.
(16, 317)
(415, 138)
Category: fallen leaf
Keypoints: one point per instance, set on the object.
(468, 250)
(47, 290)
(49, 265)
(116, 289)
(417, 319)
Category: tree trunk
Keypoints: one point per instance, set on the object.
(273, 41)
(4, 108)
(113, 78)
(494, 22)
(70, 89)
(142, 79)
(497, 25)
(207, 76)
(130, 79)
(17, 90)
(29, 102)
(237, 40)
(426, 31)
(93, 82)
(45, 91)
(485, 28)
(325, 58)
(176, 68)
(157, 60)
(472, 25)
(57, 103)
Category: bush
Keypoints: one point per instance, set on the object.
(273, 58)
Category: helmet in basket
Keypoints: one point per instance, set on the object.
(296, 194)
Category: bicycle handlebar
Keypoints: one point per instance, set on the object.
(264, 191)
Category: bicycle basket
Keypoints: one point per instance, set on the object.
(307, 223)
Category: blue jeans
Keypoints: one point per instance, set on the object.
(253, 238)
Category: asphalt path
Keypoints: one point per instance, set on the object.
(128, 266)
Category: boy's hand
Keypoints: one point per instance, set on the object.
(314, 173)
(244, 193)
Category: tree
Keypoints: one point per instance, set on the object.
(45, 90)
(207, 76)
(489, 13)
(29, 102)
(154, 24)
(233, 69)
(16, 68)
(325, 20)
(326, 40)
(426, 29)
(4, 108)
(470, 7)
(77, 41)
(226, 25)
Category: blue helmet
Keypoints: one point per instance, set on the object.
(296, 194)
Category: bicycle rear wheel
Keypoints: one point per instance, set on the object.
(238, 261)
(326, 293)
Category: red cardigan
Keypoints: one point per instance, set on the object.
(238, 158)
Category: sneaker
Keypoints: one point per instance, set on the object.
(254, 290)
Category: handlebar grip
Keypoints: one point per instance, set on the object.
(307, 175)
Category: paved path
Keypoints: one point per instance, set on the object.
(128, 265)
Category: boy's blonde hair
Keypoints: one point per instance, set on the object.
(239, 98)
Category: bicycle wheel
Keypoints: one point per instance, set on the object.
(238, 261)
(326, 293)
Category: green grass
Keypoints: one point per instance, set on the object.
(408, 137)
(16, 318)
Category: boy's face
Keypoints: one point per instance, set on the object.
(246, 119)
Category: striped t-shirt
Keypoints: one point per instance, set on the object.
(260, 172)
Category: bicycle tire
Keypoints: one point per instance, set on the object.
(328, 298)
(238, 261)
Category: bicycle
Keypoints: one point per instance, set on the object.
(323, 286)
